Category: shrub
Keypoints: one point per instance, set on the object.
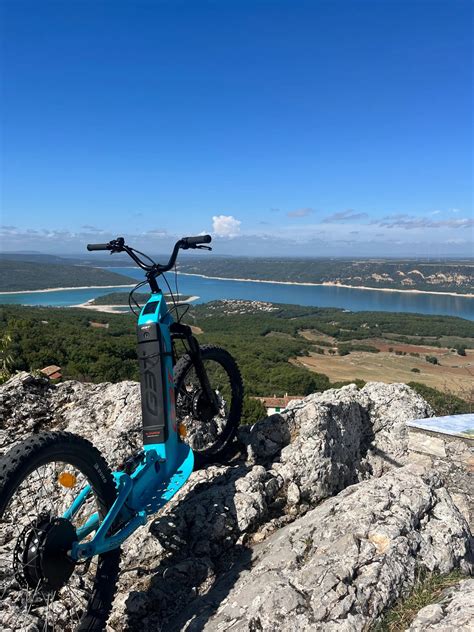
(415, 370)
(367, 348)
(323, 343)
(431, 359)
(253, 410)
(442, 403)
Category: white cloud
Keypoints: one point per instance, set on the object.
(225, 225)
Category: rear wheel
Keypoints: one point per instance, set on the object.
(209, 433)
(41, 587)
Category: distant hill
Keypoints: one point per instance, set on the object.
(415, 274)
(20, 275)
(36, 257)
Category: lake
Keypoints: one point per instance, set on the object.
(319, 296)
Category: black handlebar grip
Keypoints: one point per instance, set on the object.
(195, 241)
(98, 247)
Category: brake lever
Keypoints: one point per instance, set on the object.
(117, 245)
(204, 247)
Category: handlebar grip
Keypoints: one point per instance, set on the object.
(190, 242)
(98, 247)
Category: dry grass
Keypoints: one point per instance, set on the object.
(453, 373)
(427, 590)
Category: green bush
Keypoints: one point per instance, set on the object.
(253, 410)
(343, 351)
(323, 343)
(442, 403)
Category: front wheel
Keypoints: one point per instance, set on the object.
(41, 587)
(209, 433)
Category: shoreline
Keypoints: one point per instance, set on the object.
(331, 284)
(120, 309)
(216, 278)
(67, 289)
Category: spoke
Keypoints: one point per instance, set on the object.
(20, 612)
(74, 598)
(45, 627)
(41, 495)
(33, 598)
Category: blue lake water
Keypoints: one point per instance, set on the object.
(319, 296)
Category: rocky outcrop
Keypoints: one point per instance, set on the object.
(106, 414)
(453, 458)
(454, 611)
(339, 566)
(318, 521)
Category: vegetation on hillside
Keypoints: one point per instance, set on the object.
(427, 275)
(26, 275)
(443, 403)
(263, 338)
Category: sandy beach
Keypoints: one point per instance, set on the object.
(118, 309)
(64, 289)
(216, 278)
(331, 284)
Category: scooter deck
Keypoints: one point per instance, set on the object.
(171, 479)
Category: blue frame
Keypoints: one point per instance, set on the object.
(165, 468)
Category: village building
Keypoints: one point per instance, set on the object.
(277, 404)
(52, 371)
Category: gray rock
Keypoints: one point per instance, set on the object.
(453, 458)
(109, 415)
(267, 534)
(342, 564)
(455, 611)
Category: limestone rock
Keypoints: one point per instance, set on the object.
(344, 562)
(315, 526)
(455, 611)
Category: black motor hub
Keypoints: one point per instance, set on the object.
(41, 553)
(203, 409)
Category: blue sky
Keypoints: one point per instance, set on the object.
(316, 128)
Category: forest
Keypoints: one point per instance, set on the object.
(262, 341)
(17, 275)
(427, 275)
(416, 274)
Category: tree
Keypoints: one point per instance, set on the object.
(253, 410)
(6, 359)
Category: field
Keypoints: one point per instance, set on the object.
(279, 348)
(394, 362)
